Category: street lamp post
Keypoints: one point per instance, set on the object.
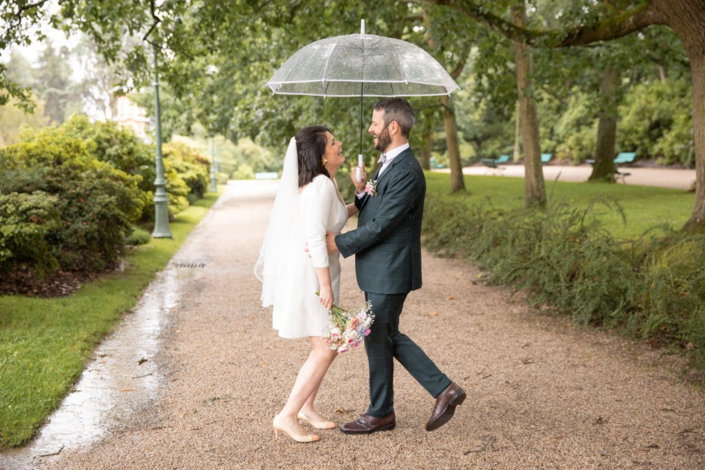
(161, 199)
(214, 188)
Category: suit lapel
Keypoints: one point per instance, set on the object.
(389, 169)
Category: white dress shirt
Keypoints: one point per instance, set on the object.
(389, 156)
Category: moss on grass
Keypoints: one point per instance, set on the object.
(44, 343)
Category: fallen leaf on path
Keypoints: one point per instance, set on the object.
(528, 361)
(479, 449)
(452, 297)
(127, 390)
(434, 314)
(141, 361)
(341, 410)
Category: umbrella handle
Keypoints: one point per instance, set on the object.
(358, 170)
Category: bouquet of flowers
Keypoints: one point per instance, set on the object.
(347, 329)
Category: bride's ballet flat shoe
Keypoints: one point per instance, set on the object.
(316, 424)
(280, 425)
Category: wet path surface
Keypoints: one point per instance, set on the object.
(541, 392)
(121, 378)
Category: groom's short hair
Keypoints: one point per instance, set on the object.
(399, 110)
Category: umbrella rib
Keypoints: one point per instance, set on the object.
(401, 67)
(327, 61)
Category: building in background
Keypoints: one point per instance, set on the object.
(132, 116)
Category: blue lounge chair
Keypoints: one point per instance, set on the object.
(435, 165)
(492, 162)
(624, 157)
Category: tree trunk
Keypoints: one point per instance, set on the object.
(426, 154)
(428, 141)
(534, 187)
(687, 18)
(517, 134)
(697, 67)
(603, 169)
(457, 183)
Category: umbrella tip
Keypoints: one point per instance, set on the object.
(362, 27)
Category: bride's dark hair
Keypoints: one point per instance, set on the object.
(311, 144)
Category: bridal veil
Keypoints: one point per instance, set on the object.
(271, 265)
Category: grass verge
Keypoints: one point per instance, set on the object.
(44, 343)
(644, 206)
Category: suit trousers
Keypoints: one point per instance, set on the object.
(385, 343)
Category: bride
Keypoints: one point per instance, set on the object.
(307, 205)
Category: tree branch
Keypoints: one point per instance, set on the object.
(611, 28)
(157, 20)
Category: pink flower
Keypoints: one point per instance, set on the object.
(368, 189)
(368, 331)
(342, 349)
(354, 324)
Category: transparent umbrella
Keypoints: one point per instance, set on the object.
(362, 65)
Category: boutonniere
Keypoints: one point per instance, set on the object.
(371, 188)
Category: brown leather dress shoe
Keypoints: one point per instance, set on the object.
(367, 424)
(446, 402)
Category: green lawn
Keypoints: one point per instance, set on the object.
(44, 343)
(644, 206)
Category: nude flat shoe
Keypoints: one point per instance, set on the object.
(317, 424)
(280, 425)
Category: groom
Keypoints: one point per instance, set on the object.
(387, 249)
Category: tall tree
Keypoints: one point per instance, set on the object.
(54, 86)
(603, 168)
(534, 186)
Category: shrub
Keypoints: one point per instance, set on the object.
(25, 221)
(656, 120)
(96, 203)
(652, 287)
(243, 172)
(221, 178)
(192, 166)
(138, 237)
(183, 167)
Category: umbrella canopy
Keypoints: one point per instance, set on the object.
(362, 64)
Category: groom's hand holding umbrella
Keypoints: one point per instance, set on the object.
(359, 187)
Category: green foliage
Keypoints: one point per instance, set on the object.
(650, 287)
(96, 203)
(138, 237)
(243, 172)
(44, 343)
(657, 121)
(25, 222)
(192, 167)
(576, 129)
(185, 170)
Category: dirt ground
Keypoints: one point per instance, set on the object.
(542, 393)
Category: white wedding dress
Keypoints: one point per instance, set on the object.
(320, 210)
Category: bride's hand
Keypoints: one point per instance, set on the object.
(326, 297)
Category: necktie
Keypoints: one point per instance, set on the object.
(382, 158)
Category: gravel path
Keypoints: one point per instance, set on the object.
(660, 177)
(541, 393)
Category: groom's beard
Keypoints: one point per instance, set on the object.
(383, 141)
